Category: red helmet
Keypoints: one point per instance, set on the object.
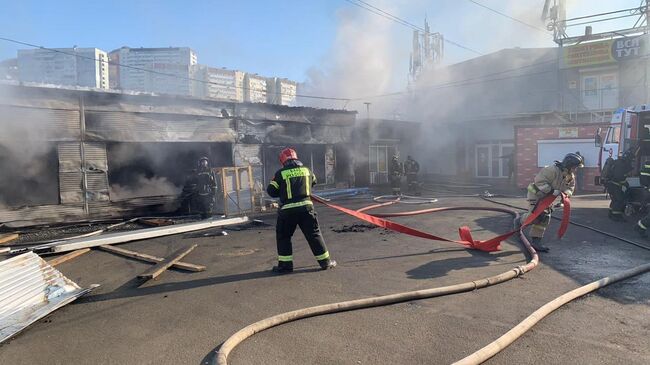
(288, 154)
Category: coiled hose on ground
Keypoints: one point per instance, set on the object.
(476, 358)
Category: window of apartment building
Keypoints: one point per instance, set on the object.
(599, 90)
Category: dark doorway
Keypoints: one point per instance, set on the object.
(158, 168)
(30, 173)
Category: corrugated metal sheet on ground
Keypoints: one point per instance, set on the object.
(29, 290)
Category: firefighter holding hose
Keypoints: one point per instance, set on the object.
(292, 184)
(555, 179)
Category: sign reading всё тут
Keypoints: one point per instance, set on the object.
(609, 51)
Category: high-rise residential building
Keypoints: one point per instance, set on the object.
(281, 91)
(254, 88)
(160, 70)
(64, 66)
(218, 83)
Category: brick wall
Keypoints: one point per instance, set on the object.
(526, 152)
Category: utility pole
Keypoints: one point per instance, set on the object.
(367, 109)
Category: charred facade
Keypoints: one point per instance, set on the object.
(74, 154)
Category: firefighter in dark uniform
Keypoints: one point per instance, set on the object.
(292, 184)
(206, 187)
(644, 177)
(411, 169)
(617, 185)
(395, 173)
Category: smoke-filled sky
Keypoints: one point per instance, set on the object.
(338, 48)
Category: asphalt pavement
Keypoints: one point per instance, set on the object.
(183, 317)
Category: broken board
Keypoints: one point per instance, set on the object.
(150, 258)
(160, 267)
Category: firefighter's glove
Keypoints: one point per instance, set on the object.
(623, 188)
(556, 192)
(568, 193)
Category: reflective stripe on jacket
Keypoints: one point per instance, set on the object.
(292, 184)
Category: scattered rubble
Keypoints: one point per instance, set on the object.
(361, 227)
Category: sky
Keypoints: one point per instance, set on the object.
(286, 38)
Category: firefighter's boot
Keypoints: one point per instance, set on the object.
(616, 217)
(642, 231)
(536, 242)
(283, 267)
(327, 264)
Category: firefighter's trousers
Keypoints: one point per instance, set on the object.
(305, 218)
(396, 184)
(412, 182)
(539, 225)
(617, 205)
(204, 204)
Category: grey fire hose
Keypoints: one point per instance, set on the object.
(250, 330)
(475, 358)
(509, 337)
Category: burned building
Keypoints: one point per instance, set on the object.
(75, 154)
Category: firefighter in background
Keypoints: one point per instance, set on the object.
(292, 184)
(616, 175)
(396, 171)
(644, 178)
(555, 179)
(411, 169)
(199, 190)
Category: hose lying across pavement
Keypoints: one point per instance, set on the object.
(475, 358)
(509, 337)
(248, 331)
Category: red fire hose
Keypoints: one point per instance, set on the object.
(466, 240)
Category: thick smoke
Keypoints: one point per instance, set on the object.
(370, 56)
(141, 186)
(361, 62)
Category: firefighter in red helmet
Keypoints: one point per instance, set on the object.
(292, 184)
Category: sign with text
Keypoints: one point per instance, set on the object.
(571, 132)
(603, 52)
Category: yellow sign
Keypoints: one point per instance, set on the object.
(588, 54)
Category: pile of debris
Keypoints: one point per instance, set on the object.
(31, 288)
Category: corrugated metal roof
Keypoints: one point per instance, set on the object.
(29, 290)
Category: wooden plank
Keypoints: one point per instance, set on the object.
(123, 237)
(149, 258)
(68, 256)
(160, 267)
(6, 238)
(157, 222)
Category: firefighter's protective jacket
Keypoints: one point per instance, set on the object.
(644, 174)
(551, 178)
(411, 167)
(292, 184)
(205, 182)
(396, 168)
(619, 171)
